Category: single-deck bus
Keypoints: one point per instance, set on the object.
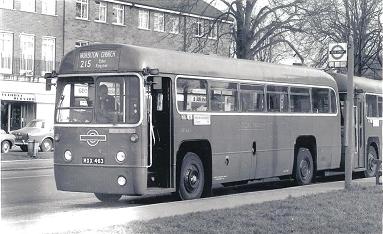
(368, 121)
(132, 120)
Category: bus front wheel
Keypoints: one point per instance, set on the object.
(192, 177)
(304, 169)
(371, 165)
(108, 197)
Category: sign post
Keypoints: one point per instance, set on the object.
(349, 141)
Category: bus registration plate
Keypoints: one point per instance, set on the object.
(87, 160)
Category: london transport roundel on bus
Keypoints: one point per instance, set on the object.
(337, 52)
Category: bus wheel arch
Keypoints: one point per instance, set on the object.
(305, 159)
(201, 149)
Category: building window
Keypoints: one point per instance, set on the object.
(198, 30)
(48, 54)
(101, 10)
(82, 9)
(27, 48)
(143, 19)
(81, 43)
(118, 12)
(7, 4)
(159, 22)
(28, 5)
(6, 52)
(174, 24)
(48, 7)
(213, 29)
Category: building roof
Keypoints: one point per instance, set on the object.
(197, 7)
(134, 59)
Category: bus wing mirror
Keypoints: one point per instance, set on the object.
(48, 80)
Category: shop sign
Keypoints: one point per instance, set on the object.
(21, 97)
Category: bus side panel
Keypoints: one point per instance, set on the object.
(373, 129)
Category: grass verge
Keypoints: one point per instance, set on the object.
(355, 211)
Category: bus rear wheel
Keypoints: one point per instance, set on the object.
(371, 165)
(304, 168)
(191, 177)
(104, 197)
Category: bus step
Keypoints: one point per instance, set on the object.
(158, 190)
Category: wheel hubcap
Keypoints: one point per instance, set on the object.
(305, 169)
(191, 178)
(5, 148)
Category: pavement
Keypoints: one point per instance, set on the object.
(80, 220)
(18, 160)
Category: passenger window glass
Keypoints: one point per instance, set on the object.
(223, 96)
(277, 99)
(300, 100)
(372, 105)
(321, 102)
(380, 106)
(333, 102)
(252, 98)
(191, 94)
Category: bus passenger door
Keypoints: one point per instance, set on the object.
(161, 132)
(359, 156)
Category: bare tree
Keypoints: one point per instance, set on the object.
(334, 21)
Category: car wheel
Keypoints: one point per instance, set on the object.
(46, 145)
(108, 197)
(5, 147)
(24, 148)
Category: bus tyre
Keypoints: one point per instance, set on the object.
(46, 145)
(192, 177)
(108, 197)
(371, 165)
(24, 148)
(5, 146)
(304, 169)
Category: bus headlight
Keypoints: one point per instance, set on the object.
(134, 138)
(120, 157)
(68, 156)
(121, 180)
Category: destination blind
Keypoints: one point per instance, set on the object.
(97, 60)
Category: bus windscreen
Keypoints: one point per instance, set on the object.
(103, 99)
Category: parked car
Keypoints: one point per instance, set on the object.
(38, 130)
(7, 141)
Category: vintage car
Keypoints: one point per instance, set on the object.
(7, 141)
(37, 130)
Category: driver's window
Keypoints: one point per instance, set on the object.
(110, 100)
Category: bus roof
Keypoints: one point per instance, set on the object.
(135, 59)
(360, 83)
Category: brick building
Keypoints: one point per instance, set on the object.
(35, 34)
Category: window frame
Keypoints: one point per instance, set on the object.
(143, 14)
(174, 23)
(53, 55)
(48, 10)
(101, 7)
(27, 52)
(25, 5)
(7, 4)
(119, 14)
(159, 26)
(84, 5)
(4, 35)
(198, 31)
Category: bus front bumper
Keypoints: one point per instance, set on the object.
(100, 179)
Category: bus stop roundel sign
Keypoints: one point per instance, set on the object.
(337, 52)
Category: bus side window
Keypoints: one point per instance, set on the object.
(277, 99)
(333, 102)
(191, 95)
(223, 96)
(300, 100)
(372, 108)
(380, 106)
(321, 102)
(252, 98)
